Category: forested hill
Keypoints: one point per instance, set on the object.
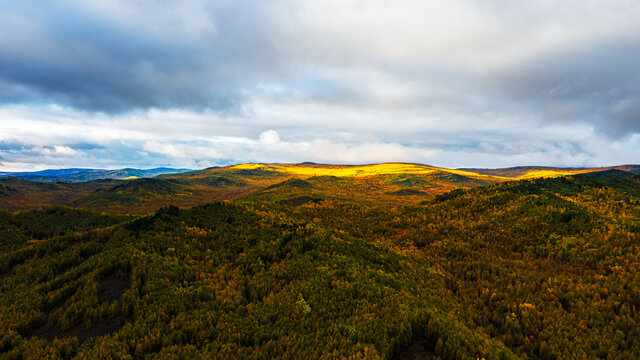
(531, 269)
(388, 183)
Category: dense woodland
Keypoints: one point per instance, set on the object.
(528, 269)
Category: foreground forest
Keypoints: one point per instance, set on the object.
(376, 265)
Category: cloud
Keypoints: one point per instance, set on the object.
(119, 56)
(59, 150)
(624, 115)
(185, 139)
(270, 140)
(164, 149)
(192, 152)
(202, 82)
(597, 85)
(327, 151)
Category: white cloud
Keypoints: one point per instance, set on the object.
(327, 151)
(270, 140)
(59, 150)
(164, 149)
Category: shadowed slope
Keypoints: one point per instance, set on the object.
(19, 194)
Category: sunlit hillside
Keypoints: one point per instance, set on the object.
(309, 169)
(388, 183)
(534, 172)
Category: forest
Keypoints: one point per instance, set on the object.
(355, 265)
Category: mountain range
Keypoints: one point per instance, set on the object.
(83, 175)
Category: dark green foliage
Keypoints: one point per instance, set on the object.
(148, 186)
(16, 229)
(291, 183)
(408, 192)
(256, 173)
(609, 173)
(408, 181)
(223, 281)
(458, 180)
(299, 200)
(214, 181)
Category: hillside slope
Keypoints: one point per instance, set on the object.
(531, 172)
(542, 268)
(390, 183)
(20, 194)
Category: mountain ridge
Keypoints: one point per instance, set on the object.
(389, 183)
(71, 175)
(524, 171)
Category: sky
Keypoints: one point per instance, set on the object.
(457, 83)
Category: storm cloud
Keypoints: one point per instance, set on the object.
(118, 56)
(198, 83)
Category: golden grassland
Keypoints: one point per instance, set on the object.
(392, 168)
(535, 174)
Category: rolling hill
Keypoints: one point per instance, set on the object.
(20, 194)
(529, 172)
(388, 183)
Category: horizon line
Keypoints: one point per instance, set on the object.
(313, 163)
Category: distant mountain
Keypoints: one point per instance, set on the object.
(62, 172)
(84, 175)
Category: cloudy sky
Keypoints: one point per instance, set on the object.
(457, 83)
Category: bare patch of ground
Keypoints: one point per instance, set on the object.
(300, 200)
(408, 192)
(80, 332)
(419, 349)
(112, 287)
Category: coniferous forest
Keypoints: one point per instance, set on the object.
(237, 263)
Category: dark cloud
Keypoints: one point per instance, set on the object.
(597, 83)
(82, 58)
(115, 57)
(11, 145)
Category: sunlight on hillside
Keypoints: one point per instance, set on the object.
(355, 170)
(549, 173)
